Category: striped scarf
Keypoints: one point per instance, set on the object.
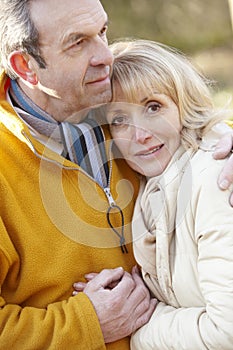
(83, 143)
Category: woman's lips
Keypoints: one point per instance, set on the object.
(149, 151)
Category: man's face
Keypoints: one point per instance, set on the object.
(72, 39)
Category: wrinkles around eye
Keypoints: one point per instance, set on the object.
(120, 120)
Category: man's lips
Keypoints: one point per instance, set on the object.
(149, 151)
(104, 78)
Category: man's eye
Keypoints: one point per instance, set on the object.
(103, 31)
(75, 45)
(79, 42)
(119, 120)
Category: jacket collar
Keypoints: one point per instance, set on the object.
(10, 119)
(13, 123)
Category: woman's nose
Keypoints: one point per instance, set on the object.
(141, 135)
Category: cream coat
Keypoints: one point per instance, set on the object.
(190, 268)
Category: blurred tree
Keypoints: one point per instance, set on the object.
(189, 25)
(231, 11)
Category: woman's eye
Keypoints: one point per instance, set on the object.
(153, 107)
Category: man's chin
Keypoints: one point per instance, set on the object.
(100, 98)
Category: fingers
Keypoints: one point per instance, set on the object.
(231, 199)
(122, 309)
(144, 316)
(140, 296)
(226, 176)
(124, 287)
(105, 278)
(140, 285)
(139, 305)
(136, 272)
(90, 276)
(80, 286)
(224, 146)
(111, 305)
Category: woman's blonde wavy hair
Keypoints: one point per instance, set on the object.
(145, 65)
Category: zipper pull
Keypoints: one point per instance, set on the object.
(109, 197)
(113, 206)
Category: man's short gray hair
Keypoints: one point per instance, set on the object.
(17, 32)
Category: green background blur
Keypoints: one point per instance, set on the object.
(200, 28)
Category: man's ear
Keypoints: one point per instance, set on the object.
(20, 64)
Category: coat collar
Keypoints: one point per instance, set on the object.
(13, 123)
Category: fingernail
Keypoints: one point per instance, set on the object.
(224, 184)
(120, 268)
(231, 201)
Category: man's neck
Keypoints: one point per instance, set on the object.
(47, 100)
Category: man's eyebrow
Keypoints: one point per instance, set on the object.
(72, 37)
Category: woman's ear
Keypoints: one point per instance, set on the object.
(20, 64)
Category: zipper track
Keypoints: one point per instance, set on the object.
(106, 190)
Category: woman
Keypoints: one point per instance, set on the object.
(165, 125)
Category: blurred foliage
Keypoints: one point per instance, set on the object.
(200, 28)
(189, 25)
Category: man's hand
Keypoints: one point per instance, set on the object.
(223, 148)
(122, 302)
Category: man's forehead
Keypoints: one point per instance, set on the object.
(66, 11)
(65, 18)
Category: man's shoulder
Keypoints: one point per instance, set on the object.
(204, 163)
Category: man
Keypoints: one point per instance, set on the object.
(60, 221)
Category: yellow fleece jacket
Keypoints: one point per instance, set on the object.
(53, 230)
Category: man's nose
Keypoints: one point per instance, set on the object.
(101, 54)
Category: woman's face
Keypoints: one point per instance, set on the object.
(148, 132)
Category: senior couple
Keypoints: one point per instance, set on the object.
(68, 276)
